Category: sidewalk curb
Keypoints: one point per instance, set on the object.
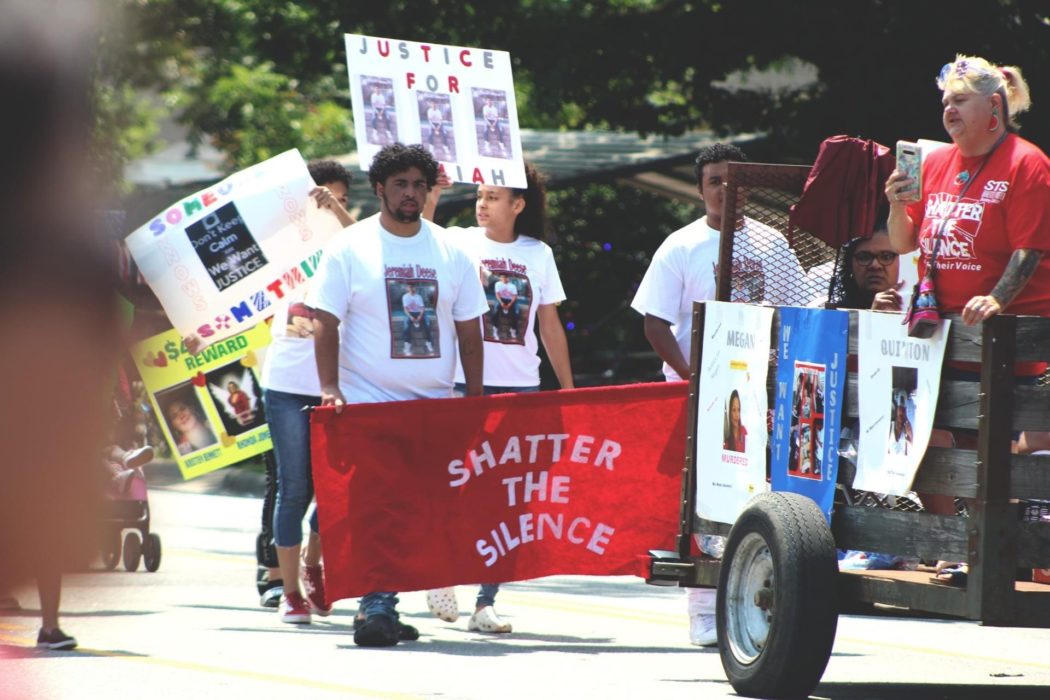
(229, 481)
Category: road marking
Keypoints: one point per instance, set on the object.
(221, 671)
(668, 619)
(895, 646)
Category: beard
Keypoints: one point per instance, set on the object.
(404, 217)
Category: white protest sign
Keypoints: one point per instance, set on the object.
(731, 428)
(899, 381)
(218, 260)
(457, 102)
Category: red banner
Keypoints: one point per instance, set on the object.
(416, 495)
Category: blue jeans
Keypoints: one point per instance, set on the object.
(290, 433)
(487, 592)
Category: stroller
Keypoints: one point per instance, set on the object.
(126, 517)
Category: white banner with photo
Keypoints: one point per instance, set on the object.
(458, 102)
(899, 381)
(731, 413)
(220, 259)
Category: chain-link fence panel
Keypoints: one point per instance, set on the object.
(765, 265)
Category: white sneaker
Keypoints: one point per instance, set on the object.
(442, 602)
(430, 346)
(408, 348)
(486, 620)
(703, 630)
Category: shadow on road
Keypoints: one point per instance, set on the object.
(928, 691)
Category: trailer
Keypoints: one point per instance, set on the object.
(780, 590)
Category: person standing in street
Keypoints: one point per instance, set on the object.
(359, 327)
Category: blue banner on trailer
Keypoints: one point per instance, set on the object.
(811, 376)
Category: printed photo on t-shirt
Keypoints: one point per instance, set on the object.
(380, 110)
(414, 331)
(435, 125)
(510, 298)
(236, 395)
(491, 126)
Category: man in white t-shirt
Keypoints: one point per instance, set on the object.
(506, 294)
(359, 327)
(684, 269)
(490, 112)
(379, 117)
(416, 311)
(436, 117)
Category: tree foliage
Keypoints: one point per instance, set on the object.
(234, 68)
(256, 77)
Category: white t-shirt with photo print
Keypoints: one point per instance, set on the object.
(684, 268)
(361, 281)
(512, 362)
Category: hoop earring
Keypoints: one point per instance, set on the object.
(994, 126)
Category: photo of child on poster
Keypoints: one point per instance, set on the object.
(414, 329)
(236, 395)
(380, 109)
(807, 422)
(735, 431)
(436, 126)
(901, 436)
(490, 122)
(184, 418)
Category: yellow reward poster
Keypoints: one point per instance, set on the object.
(209, 405)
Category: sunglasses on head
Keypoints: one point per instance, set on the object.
(865, 258)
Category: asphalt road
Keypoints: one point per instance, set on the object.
(195, 629)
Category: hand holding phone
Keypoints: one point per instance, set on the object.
(909, 164)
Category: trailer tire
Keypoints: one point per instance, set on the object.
(777, 611)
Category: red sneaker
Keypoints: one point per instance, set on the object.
(293, 609)
(313, 590)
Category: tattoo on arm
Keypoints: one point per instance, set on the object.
(1019, 270)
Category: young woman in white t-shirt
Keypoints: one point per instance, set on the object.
(523, 289)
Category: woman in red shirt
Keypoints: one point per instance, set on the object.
(986, 197)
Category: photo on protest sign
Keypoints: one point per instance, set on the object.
(491, 126)
(807, 422)
(807, 418)
(414, 328)
(458, 80)
(437, 128)
(898, 384)
(237, 397)
(220, 259)
(731, 406)
(225, 246)
(380, 110)
(901, 438)
(183, 414)
(208, 403)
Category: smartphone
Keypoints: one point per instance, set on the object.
(909, 162)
